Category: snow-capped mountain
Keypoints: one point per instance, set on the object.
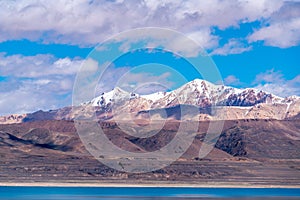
(231, 103)
(197, 92)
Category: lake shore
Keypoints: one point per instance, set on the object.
(152, 184)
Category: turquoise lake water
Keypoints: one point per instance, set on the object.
(124, 193)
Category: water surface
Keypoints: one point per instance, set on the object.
(157, 193)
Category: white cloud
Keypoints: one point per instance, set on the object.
(37, 66)
(145, 83)
(128, 80)
(90, 22)
(283, 30)
(232, 80)
(280, 34)
(188, 45)
(33, 95)
(204, 38)
(234, 46)
(286, 89)
(273, 82)
(108, 79)
(35, 82)
(269, 76)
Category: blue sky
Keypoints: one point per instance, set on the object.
(43, 44)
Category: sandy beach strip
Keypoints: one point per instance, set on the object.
(152, 184)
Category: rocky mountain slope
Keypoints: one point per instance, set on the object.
(206, 100)
(260, 152)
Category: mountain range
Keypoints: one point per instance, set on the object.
(208, 102)
(258, 145)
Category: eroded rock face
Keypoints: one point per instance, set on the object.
(231, 141)
(247, 98)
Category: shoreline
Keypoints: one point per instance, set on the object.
(146, 185)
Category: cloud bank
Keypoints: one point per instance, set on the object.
(28, 83)
(35, 82)
(274, 82)
(90, 22)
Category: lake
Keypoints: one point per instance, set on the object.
(157, 193)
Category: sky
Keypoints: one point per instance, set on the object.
(43, 45)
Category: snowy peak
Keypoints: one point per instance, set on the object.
(108, 98)
(231, 103)
(197, 93)
(155, 96)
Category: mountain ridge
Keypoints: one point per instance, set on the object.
(232, 103)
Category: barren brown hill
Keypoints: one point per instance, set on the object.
(248, 151)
